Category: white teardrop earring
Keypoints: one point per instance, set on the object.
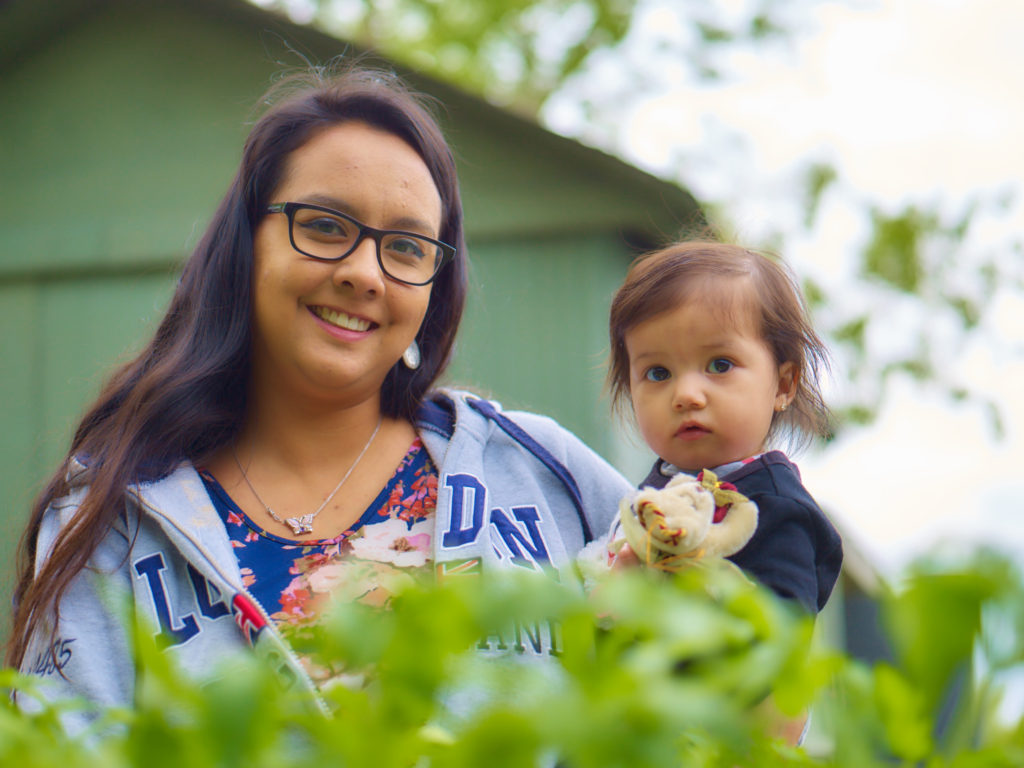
(411, 356)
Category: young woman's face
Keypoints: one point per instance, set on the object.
(334, 329)
(704, 390)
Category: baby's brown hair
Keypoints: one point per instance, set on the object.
(661, 280)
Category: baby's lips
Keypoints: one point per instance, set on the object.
(689, 434)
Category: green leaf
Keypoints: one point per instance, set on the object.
(820, 176)
(814, 294)
(894, 252)
(934, 623)
(968, 311)
(902, 710)
(652, 670)
(853, 332)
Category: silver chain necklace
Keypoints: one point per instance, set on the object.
(304, 523)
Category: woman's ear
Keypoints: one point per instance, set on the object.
(789, 381)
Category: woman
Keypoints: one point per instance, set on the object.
(277, 441)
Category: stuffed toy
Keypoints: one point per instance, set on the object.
(691, 521)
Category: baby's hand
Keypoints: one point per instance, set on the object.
(625, 558)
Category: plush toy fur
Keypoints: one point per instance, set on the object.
(689, 520)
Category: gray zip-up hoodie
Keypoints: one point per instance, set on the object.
(513, 489)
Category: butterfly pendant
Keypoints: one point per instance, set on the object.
(301, 525)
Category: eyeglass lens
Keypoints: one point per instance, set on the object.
(403, 256)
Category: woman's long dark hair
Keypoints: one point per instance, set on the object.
(184, 396)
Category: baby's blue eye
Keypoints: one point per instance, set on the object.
(720, 365)
(656, 373)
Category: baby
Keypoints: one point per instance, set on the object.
(712, 347)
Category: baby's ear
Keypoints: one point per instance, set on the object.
(789, 381)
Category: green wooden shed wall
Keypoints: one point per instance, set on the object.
(120, 127)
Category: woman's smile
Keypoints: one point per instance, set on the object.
(339, 319)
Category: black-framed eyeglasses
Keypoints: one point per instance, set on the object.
(325, 234)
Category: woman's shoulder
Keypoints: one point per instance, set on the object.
(448, 409)
(61, 512)
(463, 415)
(163, 492)
(158, 512)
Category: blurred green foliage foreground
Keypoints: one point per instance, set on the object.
(649, 671)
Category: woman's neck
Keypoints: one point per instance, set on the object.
(292, 453)
(307, 434)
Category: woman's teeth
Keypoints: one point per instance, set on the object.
(341, 320)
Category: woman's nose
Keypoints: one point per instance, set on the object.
(360, 269)
(688, 393)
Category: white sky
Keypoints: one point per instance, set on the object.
(913, 101)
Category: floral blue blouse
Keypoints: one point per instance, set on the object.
(388, 547)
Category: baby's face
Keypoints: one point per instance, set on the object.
(704, 389)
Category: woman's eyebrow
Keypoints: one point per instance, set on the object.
(328, 201)
(411, 223)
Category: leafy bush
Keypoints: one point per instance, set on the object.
(694, 670)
